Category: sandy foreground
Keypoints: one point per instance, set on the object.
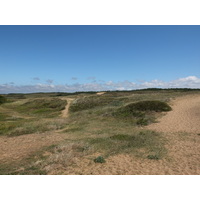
(181, 127)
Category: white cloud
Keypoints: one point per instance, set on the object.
(187, 82)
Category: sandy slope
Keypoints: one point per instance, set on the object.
(185, 116)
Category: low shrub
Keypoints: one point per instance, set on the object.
(153, 157)
(141, 111)
(99, 159)
(157, 106)
(142, 121)
(128, 112)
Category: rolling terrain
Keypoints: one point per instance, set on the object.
(123, 132)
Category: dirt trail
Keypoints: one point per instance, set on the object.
(65, 112)
(183, 118)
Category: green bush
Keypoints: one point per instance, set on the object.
(99, 159)
(2, 99)
(138, 109)
(157, 106)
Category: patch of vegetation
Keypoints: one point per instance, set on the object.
(127, 111)
(24, 127)
(153, 157)
(2, 99)
(50, 106)
(149, 141)
(36, 127)
(141, 111)
(31, 165)
(142, 121)
(3, 117)
(122, 137)
(89, 102)
(99, 159)
(156, 106)
(15, 96)
(5, 128)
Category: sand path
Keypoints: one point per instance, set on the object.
(65, 112)
(185, 116)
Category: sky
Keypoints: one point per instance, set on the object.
(96, 58)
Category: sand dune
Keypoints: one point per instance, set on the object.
(185, 116)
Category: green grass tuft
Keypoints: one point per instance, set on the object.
(153, 157)
(99, 159)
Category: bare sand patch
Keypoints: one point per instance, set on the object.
(17, 148)
(100, 93)
(184, 117)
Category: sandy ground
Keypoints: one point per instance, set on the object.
(17, 148)
(100, 93)
(185, 116)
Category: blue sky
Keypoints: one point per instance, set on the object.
(73, 58)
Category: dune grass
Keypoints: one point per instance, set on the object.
(43, 107)
(31, 116)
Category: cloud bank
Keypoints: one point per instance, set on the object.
(187, 82)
